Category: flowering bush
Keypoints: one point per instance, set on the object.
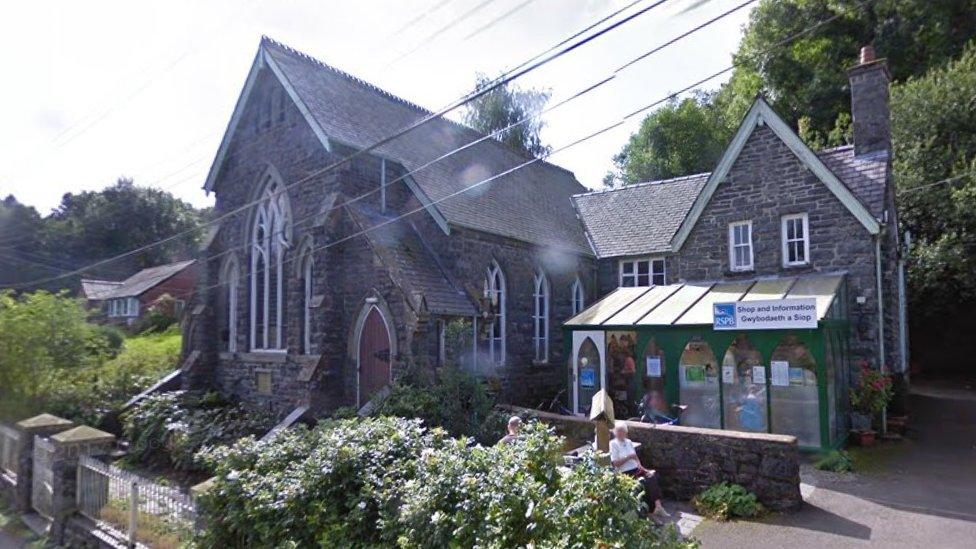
(390, 482)
(170, 428)
(873, 391)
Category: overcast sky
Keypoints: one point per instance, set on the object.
(96, 90)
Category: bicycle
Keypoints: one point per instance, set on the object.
(658, 418)
(555, 405)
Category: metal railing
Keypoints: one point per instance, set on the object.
(9, 449)
(132, 508)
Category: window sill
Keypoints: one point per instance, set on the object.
(266, 355)
(796, 265)
(538, 362)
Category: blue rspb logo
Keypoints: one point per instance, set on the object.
(724, 315)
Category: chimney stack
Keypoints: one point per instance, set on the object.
(869, 103)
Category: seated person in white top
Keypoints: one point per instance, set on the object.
(624, 458)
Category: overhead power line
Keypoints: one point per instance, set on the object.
(940, 182)
(248, 146)
(589, 136)
(501, 131)
(524, 68)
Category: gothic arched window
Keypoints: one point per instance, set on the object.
(540, 317)
(496, 335)
(270, 238)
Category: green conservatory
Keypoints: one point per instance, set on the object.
(666, 346)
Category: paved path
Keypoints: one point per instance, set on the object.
(917, 493)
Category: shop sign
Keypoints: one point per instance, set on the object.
(770, 314)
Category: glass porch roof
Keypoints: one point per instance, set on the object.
(691, 304)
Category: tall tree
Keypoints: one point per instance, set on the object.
(806, 78)
(935, 167)
(95, 225)
(680, 138)
(21, 229)
(507, 105)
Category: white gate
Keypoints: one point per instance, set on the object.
(42, 489)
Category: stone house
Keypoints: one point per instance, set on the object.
(340, 264)
(773, 208)
(125, 302)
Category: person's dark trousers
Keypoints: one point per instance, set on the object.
(648, 480)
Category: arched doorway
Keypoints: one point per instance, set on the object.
(796, 403)
(744, 389)
(698, 386)
(654, 378)
(374, 355)
(589, 368)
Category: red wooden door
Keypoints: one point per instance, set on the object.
(374, 356)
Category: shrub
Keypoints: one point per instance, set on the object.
(724, 501)
(456, 401)
(873, 391)
(837, 461)
(391, 482)
(168, 429)
(85, 394)
(311, 488)
(45, 339)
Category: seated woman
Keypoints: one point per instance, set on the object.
(624, 458)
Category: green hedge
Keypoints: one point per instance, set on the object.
(389, 482)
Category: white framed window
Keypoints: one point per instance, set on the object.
(307, 289)
(540, 317)
(230, 278)
(740, 246)
(123, 307)
(579, 296)
(642, 272)
(796, 240)
(270, 238)
(495, 286)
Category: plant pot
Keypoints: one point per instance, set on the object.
(864, 437)
(860, 421)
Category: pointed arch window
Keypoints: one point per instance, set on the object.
(227, 304)
(270, 238)
(540, 317)
(579, 297)
(307, 266)
(496, 334)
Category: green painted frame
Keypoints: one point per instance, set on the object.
(672, 340)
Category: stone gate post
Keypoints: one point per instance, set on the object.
(68, 447)
(43, 425)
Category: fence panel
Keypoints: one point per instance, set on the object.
(9, 448)
(133, 508)
(42, 485)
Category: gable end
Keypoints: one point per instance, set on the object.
(762, 113)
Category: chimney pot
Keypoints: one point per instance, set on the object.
(867, 54)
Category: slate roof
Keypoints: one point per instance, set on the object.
(412, 263)
(532, 204)
(146, 279)
(864, 175)
(638, 219)
(96, 289)
(642, 219)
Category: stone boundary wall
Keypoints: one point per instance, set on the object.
(690, 459)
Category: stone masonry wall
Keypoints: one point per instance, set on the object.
(766, 182)
(346, 272)
(469, 254)
(689, 459)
